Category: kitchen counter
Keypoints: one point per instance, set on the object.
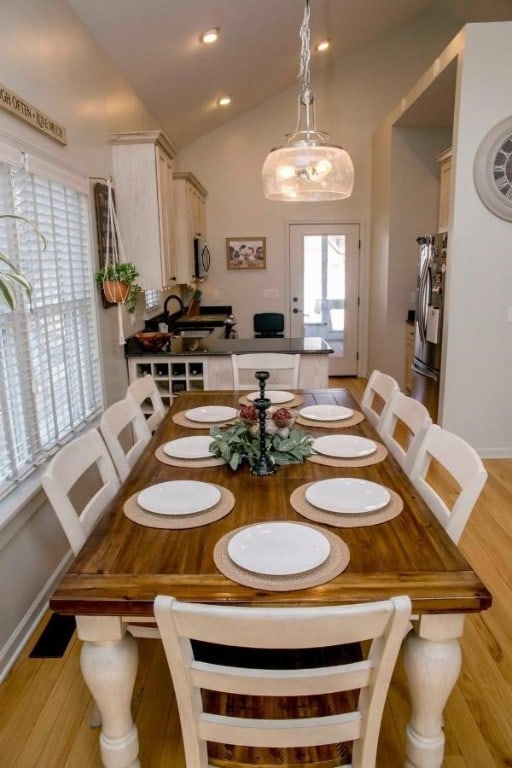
(212, 345)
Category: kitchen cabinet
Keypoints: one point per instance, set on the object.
(144, 189)
(445, 169)
(189, 221)
(409, 355)
(171, 374)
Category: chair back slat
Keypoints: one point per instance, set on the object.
(404, 414)
(376, 397)
(143, 389)
(273, 362)
(114, 422)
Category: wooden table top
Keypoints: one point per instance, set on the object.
(123, 565)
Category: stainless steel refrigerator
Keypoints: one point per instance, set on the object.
(429, 318)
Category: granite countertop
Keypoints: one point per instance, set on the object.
(212, 345)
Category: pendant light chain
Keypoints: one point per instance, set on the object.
(305, 53)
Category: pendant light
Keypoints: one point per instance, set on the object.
(306, 167)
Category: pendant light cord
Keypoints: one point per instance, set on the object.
(305, 54)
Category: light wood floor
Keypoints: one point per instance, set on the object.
(45, 706)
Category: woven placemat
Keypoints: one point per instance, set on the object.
(357, 520)
(297, 400)
(335, 564)
(189, 463)
(356, 418)
(365, 461)
(137, 515)
(182, 421)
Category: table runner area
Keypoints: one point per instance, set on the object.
(356, 418)
(175, 522)
(335, 564)
(364, 461)
(301, 505)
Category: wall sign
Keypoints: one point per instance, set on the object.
(13, 103)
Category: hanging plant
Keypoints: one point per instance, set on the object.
(10, 276)
(117, 278)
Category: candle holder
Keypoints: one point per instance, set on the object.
(263, 465)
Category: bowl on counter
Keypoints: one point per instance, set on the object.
(153, 341)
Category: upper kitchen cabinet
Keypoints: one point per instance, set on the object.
(143, 182)
(445, 169)
(190, 221)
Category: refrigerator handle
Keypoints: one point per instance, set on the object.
(423, 298)
(422, 372)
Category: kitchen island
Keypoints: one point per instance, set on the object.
(203, 363)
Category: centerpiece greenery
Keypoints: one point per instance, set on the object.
(239, 443)
(119, 284)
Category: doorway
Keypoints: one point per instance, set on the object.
(324, 283)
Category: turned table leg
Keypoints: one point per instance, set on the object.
(432, 659)
(109, 665)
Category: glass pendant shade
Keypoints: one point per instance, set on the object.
(305, 168)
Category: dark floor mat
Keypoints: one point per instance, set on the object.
(55, 638)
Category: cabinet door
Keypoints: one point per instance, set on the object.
(166, 211)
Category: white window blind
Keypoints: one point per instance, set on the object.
(50, 383)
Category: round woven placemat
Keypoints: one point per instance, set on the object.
(189, 463)
(335, 564)
(356, 418)
(357, 520)
(297, 400)
(137, 515)
(364, 461)
(182, 421)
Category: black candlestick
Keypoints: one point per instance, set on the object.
(263, 464)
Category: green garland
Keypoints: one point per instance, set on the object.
(235, 445)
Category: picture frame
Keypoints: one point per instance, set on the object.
(246, 254)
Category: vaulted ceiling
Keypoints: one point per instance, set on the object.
(155, 44)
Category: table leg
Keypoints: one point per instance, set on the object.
(109, 665)
(432, 659)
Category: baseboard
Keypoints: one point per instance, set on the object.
(23, 632)
(495, 453)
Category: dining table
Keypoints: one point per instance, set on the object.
(125, 563)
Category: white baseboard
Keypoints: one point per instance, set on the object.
(495, 453)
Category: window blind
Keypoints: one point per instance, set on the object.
(50, 383)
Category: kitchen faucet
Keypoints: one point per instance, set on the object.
(168, 299)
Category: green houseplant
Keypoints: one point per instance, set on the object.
(119, 284)
(10, 275)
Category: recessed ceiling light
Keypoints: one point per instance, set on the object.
(224, 101)
(210, 36)
(323, 46)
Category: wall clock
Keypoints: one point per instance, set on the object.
(492, 170)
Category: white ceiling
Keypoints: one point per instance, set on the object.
(155, 44)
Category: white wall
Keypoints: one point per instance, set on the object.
(353, 96)
(477, 337)
(48, 58)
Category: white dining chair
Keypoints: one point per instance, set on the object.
(126, 433)
(462, 463)
(145, 392)
(404, 425)
(376, 397)
(383, 623)
(286, 369)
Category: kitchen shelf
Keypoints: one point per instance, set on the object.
(172, 375)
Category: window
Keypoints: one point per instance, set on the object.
(50, 383)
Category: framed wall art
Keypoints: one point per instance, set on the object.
(246, 253)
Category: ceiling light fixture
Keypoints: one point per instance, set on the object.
(305, 167)
(323, 46)
(224, 101)
(210, 36)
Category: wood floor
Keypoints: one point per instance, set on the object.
(45, 707)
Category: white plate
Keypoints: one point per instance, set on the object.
(178, 497)
(326, 412)
(347, 495)
(211, 413)
(344, 446)
(196, 447)
(274, 395)
(279, 549)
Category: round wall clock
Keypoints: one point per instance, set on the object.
(492, 170)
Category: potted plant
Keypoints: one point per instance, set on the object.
(119, 284)
(10, 275)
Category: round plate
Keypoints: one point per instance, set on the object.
(278, 549)
(211, 413)
(344, 446)
(196, 447)
(326, 412)
(275, 396)
(347, 495)
(179, 497)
